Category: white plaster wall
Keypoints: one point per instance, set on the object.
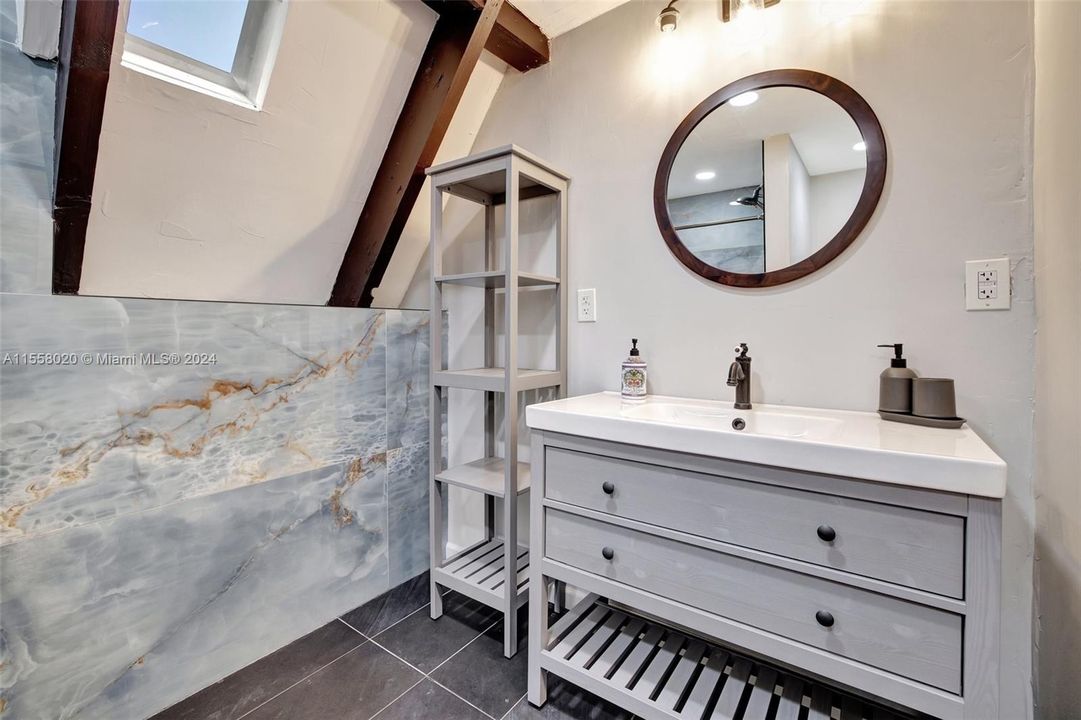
(952, 85)
(198, 198)
(1057, 193)
(833, 198)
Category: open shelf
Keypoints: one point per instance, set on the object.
(484, 475)
(478, 573)
(498, 279)
(492, 379)
(655, 671)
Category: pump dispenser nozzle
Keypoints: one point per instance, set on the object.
(898, 350)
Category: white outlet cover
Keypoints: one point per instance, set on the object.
(587, 305)
(987, 284)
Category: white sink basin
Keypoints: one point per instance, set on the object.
(755, 422)
(837, 442)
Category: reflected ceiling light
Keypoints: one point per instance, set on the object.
(705, 175)
(861, 146)
(668, 18)
(744, 100)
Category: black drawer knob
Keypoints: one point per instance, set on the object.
(825, 532)
(825, 619)
(608, 487)
(608, 553)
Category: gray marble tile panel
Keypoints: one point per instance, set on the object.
(7, 21)
(407, 377)
(289, 389)
(122, 618)
(27, 98)
(407, 492)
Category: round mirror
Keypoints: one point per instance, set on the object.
(770, 178)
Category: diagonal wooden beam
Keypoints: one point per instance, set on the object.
(516, 40)
(460, 34)
(86, 45)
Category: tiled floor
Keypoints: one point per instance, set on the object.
(387, 660)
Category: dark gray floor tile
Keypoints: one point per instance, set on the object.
(354, 687)
(426, 643)
(428, 701)
(377, 615)
(568, 702)
(481, 674)
(265, 678)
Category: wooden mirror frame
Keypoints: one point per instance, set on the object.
(873, 182)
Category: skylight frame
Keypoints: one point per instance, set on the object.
(245, 85)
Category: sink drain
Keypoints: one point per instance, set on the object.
(739, 424)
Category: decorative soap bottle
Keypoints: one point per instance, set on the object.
(633, 375)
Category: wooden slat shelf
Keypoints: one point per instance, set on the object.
(484, 475)
(478, 573)
(657, 672)
(497, 279)
(492, 379)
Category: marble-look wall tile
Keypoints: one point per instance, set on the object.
(407, 377)
(291, 388)
(8, 29)
(122, 618)
(27, 99)
(407, 511)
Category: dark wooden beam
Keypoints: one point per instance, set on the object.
(86, 48)
(460, 34)
(516, 40)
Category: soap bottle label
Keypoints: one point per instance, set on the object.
(634, 380)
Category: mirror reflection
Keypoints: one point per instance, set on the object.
(766, 180)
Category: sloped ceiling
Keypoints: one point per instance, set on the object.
(556, 17)
(195, 198)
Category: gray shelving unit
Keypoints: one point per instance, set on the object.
(495, 570)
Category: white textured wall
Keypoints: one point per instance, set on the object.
(952, 85)
(198, 198)
(1057, 192)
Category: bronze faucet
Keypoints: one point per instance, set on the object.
(739, 377)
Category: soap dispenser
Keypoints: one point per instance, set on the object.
(633, 375)
(895, 383)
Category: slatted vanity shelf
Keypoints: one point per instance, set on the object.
(888, 591)
(656, 671)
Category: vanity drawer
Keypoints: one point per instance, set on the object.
(915, 548)
(914, 641)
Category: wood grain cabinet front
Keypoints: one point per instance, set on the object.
(914, 548)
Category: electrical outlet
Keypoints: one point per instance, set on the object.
(587, 305)
(987, 284)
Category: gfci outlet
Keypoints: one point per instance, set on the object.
(987, 284)
(587, 305)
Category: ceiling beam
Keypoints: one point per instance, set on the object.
(460, 34)
(516, 40)
(86, 45)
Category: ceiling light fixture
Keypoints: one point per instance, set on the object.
(744, 99)
(736, 9)
(705, 175)
(861, 146)
(668, 18)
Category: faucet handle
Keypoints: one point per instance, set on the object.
(741, 350)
